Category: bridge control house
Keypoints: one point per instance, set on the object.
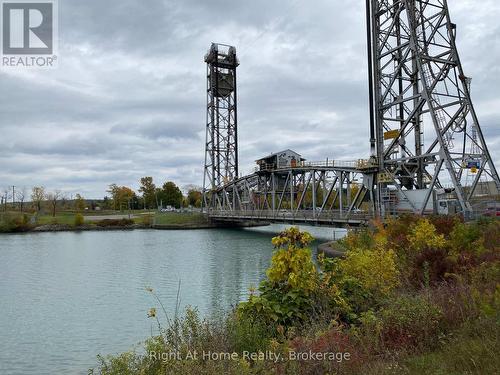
(280, 160)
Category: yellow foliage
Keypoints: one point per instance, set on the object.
(293, 267)
(380, 236)
(292, 237)
(374, 268)
(423, 235)
(292, 263)
(79, 220)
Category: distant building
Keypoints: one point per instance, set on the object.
(279, 160)
(487, 188)
(484, 189)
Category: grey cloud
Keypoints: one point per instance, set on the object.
(128, 98)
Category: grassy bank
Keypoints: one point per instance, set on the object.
(179, 218)
(15, 222)
(412, 296)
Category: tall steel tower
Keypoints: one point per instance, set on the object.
(425, 134)
(221, 149)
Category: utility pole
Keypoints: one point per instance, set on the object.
(5, 199)
(13, 197)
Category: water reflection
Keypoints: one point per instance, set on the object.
(67, 296)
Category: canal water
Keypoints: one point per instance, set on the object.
(66, 297)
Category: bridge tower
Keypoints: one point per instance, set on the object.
(221, 148)
(425, 134)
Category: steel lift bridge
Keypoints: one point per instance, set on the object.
(428, 153)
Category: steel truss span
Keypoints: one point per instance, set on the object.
(319, 195)
(428, 152)
(427, 133)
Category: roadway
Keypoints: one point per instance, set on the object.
(326, 218)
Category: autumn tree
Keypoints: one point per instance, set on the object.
(21, 197)
(53, 198)
(123, 196)
(148, 190)
(194, 197)
(171, 195)
(38, 196)
(79, 203)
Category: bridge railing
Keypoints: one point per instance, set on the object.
(287, 215)
(355, 164)
(332, 163)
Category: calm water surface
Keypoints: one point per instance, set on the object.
(66, 297)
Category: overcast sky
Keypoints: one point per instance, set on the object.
(128, 97)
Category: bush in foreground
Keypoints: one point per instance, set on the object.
(410, 297)
(79, 220)
(14, 222)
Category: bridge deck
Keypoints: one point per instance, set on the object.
(332, 219)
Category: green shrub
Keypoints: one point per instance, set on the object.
(185, 335)
(11, 223)
(397, 231)
(410, 321)
(465, 237)
(362, 239)
(357, 299)
(331, 340)
(247, 334)
(79, 220)
(486, 275)
(473, 349)
(286, 295)
(292, 263)
(445, 224)
(128, 363)
(432, 267)
(357, 304)
(488, 301)
(374, 269)
(404, 323)
(490, 230)
(456, 301)
(359, 282)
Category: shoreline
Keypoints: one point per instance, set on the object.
(331, 249)
(91, 228)
(95, 228)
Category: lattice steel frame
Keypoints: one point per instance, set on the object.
(221, 148)
(423, 119)
(298, 194)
